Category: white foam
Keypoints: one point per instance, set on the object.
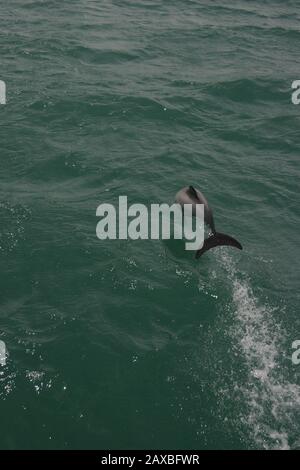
(272, 402)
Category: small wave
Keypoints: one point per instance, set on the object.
(99, 56)
(13, 219)
(248, 90)
(271, 401)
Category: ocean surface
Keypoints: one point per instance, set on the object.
(135, 344)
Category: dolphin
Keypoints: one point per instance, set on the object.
(190, 195)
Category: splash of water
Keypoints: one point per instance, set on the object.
(272, 401)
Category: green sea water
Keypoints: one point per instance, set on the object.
(135, 344)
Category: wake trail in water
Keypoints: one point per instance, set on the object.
(272, 402)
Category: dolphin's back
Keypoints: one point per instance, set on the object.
(190, 195)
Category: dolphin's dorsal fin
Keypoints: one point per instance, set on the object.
(193, 192)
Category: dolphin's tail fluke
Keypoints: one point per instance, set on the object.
(218, 239)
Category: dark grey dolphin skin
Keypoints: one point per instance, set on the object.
(190, 195)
